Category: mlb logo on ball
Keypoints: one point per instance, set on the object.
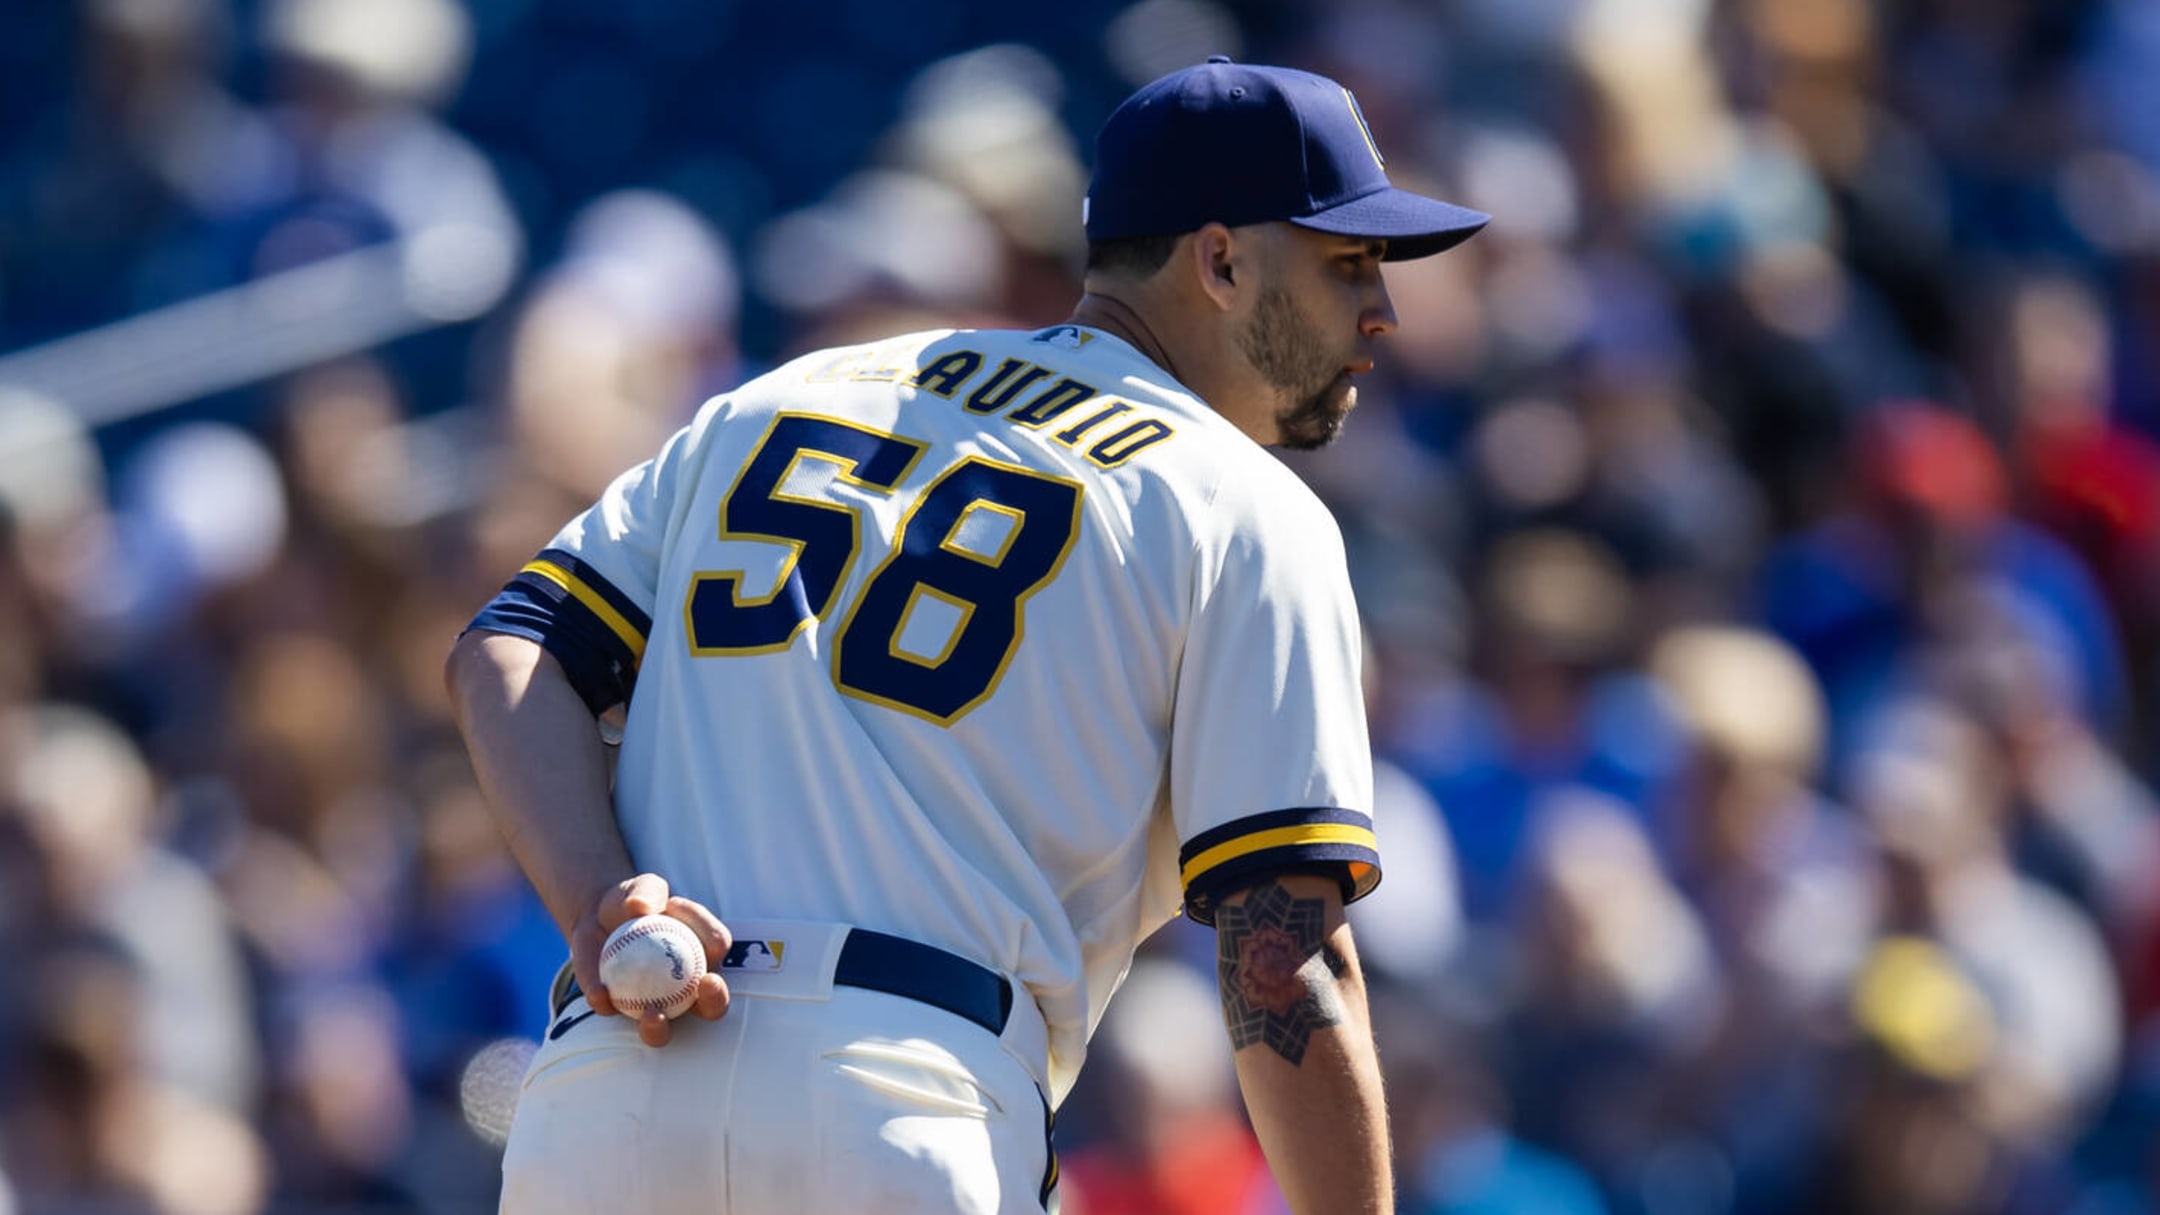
(755, 955)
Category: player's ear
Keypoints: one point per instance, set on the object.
(1213, 255)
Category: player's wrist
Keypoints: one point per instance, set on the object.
(576, 901)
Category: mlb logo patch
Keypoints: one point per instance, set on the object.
(1068, 337)
(765, 955)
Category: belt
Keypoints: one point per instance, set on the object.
(877, 961)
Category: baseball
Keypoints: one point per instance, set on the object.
(652, 961)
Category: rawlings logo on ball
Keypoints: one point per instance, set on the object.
(653, 962)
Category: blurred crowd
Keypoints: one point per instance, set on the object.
(1758, 531)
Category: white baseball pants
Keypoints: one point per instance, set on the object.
(807, 1097)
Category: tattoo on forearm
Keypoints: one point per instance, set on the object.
(1278, 972)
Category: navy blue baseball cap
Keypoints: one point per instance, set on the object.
(1236, 143)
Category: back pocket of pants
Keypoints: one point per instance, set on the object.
(928, 1082)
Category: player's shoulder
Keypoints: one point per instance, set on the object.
(1260, 496)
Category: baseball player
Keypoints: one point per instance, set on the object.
(956, 665)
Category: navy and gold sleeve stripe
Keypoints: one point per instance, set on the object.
(594, 631)
(1316, 839)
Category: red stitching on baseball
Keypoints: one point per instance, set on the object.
(656, 926)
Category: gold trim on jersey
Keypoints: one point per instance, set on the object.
(1019, 520)
(1278, 837)
(598, 606)
(965, 607)
(1136, 438)
(1074, 434)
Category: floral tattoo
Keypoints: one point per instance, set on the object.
(1278, 973)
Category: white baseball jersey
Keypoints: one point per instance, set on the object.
(1000, 641)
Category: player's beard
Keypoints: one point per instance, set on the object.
(1288, 353)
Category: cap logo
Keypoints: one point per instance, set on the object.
(1363, 129)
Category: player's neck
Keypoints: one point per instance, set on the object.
(1228, 387)
(1121, 320)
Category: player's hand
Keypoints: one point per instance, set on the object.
(647, 894)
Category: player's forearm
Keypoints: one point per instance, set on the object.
(542, 766)
(1294, 1000)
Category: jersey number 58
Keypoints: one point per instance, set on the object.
(980, 539)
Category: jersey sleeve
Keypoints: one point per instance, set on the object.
(1270, 769)
(587, 598)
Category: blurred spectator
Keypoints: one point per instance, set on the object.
(196, 509)
(1785, 886)
(86, 800)
(1548, 710)
(1934, 795)
(52, 508)
(2081, 820)
(986, 124)
(356, 79)
(2092, 482)
(1908, 1134)
(154, 146)
(1779, 872)
(1861, 594)
(1617, 988)
(622, 339)
(101, 1130)
(886, 240)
